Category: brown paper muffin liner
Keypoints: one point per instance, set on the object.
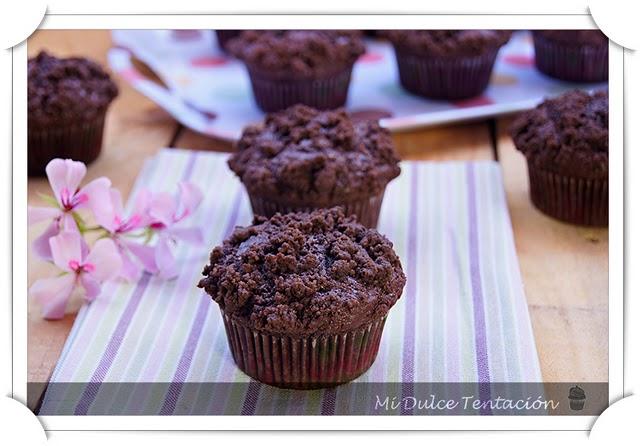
(573, 200)
(322, 93)
(576, 404)
(303, 363)
(447, 78)
(81, 141)
(570, 62)
(366, 210)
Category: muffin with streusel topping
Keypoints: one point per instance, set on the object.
(304, 296)
(67, 102)
(311, 67)
(575, 55)
(446, 64)
(302, 159)
(566, 143)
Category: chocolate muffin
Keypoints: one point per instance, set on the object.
(298, 67)
(67, 103)
(302, 159)
(446, 64)
(566, 143)
(304, 296)
(225, 35)
(572, 55)
(577, 398)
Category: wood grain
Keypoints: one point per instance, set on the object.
(565, 273)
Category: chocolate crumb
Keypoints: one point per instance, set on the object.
(304, 155)
(305, 273)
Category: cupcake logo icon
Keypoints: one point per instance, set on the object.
(577, 398)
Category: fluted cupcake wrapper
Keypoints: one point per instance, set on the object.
(447, 78)
(573, 200)
(323, 93)
(570, 62)
(303, 363)
(366, 210)
(576, 404)
(79, 141)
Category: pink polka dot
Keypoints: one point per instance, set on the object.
(185, 34)
(519, 59)
(370, 114)
(130, 75)
(473, 102)
(211, 61)
(371, 57)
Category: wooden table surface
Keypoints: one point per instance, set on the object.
(564, 267)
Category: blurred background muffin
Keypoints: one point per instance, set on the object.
(572, 55)
(225, 35)
(298, 67)
(446, 64)
(566, 143)
(67, 104)
(302, 159)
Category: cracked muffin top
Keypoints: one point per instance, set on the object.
(568, 135)
(303, 53)
(66, 89)
(467, 42)
(305, 156)
(303, 274)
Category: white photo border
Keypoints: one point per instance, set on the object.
(328, 21)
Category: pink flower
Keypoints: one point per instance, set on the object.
(79, 266)
(121, 228)
(166, 212)
(65, 177)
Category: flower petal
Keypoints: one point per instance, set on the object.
(91, 287)
(65, 248)
(143, 201)
(95, 193)
(162, 208)
(68, 224)
(105, 259)
(65, 174)
(107, 215)
(145, 254)
(189, 235)
(53, 295)
(165, 260)
(37, 214)
(130, 270)
(41, 246)
(189, 198)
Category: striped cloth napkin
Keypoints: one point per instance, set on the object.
(463, 316)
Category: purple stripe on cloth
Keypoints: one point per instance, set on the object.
(185, 359)
(251, 398)
(233, 218)
(184, 364)
(454, 281)
(408, 353)
(328, 402)
(91, 391)
(188, 169)
(482, 360)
